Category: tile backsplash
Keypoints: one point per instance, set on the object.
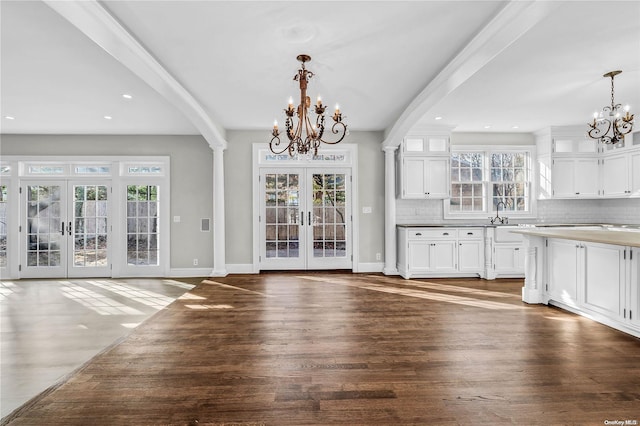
(620, 211)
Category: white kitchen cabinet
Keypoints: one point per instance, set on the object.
(419, 257)
(562, 260)
(599, 280)
(615, 171)
(443, 256)
(440, 252)
(425, 177)
(604, 279)
(508, 259)
(470, 250)
(576, 177)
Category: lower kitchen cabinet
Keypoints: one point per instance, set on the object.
(440, 252)
(508, 259)
(600, 280)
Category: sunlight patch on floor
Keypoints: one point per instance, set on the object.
(145, 297)
(439, 297)
(97, 302)
(451, 288)
(235, 288)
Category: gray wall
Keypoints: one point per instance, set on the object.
(192, 185)
(239, 202)
(191, 179)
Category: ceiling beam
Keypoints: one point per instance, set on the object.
(102, 28)
(513, 21)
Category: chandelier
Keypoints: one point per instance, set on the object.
(305, 137)
(609, 126)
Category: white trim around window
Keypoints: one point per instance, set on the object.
(479, 181)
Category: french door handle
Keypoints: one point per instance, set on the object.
(62, 229)
(309, 217)
(69, 230)
(301, 218)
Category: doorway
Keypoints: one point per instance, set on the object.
(304, 212)
(65, 229)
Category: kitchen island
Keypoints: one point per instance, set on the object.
(592, 271)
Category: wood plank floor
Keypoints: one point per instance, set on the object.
(353, 349)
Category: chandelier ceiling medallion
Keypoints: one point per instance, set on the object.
(304, 136)
(609, 126)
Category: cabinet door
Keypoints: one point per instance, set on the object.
(419, 260)
(563, 178)
(471, 256)
(634, 173)
(437, 177)
(508, 258)
(414, 182)
(604, 280)
(443, 256)
(615, 175)
(633, 287)
(587, 177)
(563, 271)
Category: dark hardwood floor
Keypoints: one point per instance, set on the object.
(353, 349)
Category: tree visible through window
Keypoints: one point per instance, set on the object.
(480, 180)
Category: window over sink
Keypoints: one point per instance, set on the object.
(482, 179)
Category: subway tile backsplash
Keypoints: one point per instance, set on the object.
(616, 211)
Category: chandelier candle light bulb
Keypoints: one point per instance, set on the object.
(304, 137)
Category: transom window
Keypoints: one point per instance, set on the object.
(483, 179)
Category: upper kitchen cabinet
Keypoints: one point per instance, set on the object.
(621, 173)
(568, 163)
(424, 166)
(426, 145)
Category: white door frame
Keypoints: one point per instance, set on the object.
(340, 156)
(16, 171)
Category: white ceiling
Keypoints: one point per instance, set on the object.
(377, 59)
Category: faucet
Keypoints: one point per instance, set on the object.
(497, 219)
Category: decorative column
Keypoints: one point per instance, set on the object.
(533, 269)
(219, 263)
(390, 267)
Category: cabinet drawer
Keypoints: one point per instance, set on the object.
(470, 233)
(430, 234)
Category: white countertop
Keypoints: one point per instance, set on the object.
(617, 236)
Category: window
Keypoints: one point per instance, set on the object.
(483, 179)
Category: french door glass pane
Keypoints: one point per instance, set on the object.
(329, 222)
(282, 210)
(90, 225)
(43, 225)
(3, 226)
(142, 225)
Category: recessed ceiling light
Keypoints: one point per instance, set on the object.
(515, 127)
(438, 118)
(487, 127)
(127, 96)
(9, 117)
(108, 117)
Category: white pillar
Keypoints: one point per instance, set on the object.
(219, 263)
(390, 267)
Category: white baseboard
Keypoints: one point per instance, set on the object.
(240, 268)
(189, 272)
(370, 267)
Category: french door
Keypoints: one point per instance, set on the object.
(65, 230)
(305, 218)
